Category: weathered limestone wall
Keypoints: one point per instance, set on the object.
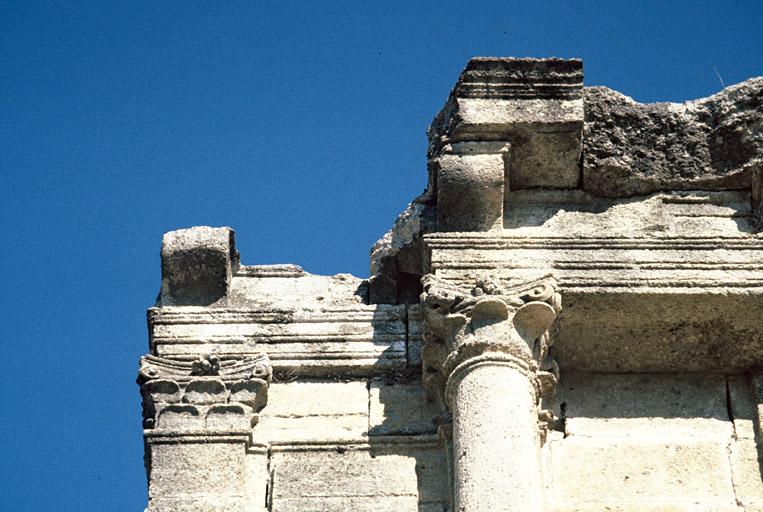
(342, 422)
(357, 445)
(675, 442)
(569, 319)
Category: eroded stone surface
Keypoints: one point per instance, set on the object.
(319, 341)
(375, 477)
(635, 149)
(197, 265)
(204, 475)
(533, 104)
(642, 221)
(644, 473)
(315, 411)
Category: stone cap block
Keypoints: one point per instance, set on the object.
(197, 265)
(470, 192)
(533, 105)
(500, 98)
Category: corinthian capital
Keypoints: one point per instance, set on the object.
(506, 324)
(209, 394)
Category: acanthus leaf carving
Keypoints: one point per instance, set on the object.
(181, 395)
(508, 321)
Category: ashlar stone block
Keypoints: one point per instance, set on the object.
(594, 473)
(746, 470)
(470, 192)
(197, 265)
(635, 507)
(370, 478)
(189, 472)
(646, 406)
(401, 409)
(300, 411)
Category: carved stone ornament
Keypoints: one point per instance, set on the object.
(208, 394)
(490, 323)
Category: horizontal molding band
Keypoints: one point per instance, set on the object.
(355, 444)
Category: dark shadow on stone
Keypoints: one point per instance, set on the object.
(409, 428)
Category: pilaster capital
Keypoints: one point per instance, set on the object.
(491, 324)
(209, 396)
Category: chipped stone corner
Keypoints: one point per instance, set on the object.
(397, 258)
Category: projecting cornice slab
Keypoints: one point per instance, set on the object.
(630, 304)
(605, 265)
(360, 339)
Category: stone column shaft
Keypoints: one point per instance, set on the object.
(486, 356)
(495, 444)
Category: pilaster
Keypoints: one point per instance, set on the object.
(198, 417)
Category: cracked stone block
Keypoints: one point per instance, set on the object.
(258, 478)
(743, 407)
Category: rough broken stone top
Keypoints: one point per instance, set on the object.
(529, 174)
(564, 136)
(713, 143)
(200, 267)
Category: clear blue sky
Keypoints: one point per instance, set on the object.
(300, 124)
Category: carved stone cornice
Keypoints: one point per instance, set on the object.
(208, 394)
(315, 341)
(497, 325)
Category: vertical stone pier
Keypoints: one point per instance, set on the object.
(199, 407)
(198, 419)
(490, 349)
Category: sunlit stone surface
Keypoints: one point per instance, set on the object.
(570, 318)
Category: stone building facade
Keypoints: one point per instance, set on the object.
(570, 318)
